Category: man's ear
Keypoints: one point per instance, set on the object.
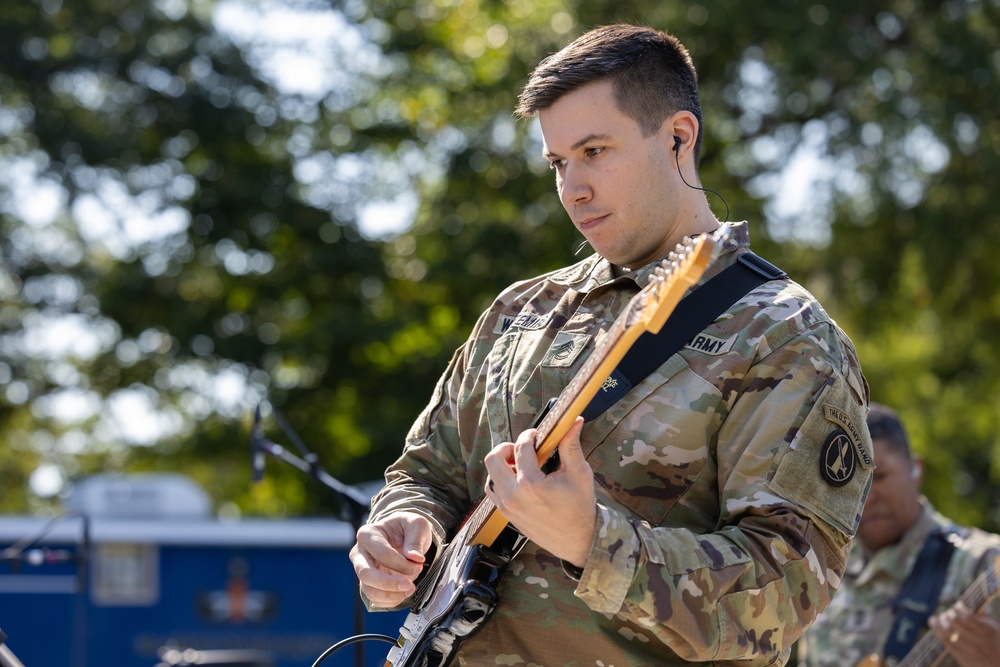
(681, 129)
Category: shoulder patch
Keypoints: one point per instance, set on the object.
(837, 461)
(843, 420)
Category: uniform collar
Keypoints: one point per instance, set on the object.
(897, 559)
(595, 271)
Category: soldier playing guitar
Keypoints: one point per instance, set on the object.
(706, 514)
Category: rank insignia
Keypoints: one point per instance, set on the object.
(837, 459)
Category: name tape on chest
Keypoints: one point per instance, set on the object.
(526, 321)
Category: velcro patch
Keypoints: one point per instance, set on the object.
(565, 349)
(525, 321)
(503, 323)
(843, 420)
(711, 344)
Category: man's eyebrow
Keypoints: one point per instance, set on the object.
(593, 136)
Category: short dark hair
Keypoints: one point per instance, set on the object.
(884, 423)
(651, 73)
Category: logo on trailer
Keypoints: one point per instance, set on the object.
(237, 604)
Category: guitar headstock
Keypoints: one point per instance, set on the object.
(675, 274)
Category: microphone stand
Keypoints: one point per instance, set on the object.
(354, 503)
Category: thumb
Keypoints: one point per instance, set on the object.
(417, 539)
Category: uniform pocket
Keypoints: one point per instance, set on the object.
(659, 448)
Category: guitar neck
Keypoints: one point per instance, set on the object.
(486, 521)
(661, 296)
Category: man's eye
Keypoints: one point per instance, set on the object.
(557, 164)
(594, 151)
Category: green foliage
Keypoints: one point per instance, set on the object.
(206, 221)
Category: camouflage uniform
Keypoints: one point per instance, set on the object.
(857, 622)
(717, 537)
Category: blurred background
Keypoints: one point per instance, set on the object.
(206, 205)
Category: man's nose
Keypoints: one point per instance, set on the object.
(576, 187)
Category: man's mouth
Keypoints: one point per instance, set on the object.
(591, 221)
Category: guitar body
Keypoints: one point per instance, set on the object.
(871, 661)
(464, 597)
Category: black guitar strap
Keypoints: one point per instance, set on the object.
(691, 316)
(918, 597)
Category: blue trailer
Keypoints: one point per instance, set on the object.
(139, 573)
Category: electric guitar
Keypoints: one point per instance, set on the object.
(458, 593)
(929, 649)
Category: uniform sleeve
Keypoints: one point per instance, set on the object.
(794, 467)
(429, 476)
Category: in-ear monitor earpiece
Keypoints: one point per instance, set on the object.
(677, 157)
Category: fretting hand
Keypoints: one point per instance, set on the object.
(556, 511)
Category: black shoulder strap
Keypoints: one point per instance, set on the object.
(918, 597)
(692, 315)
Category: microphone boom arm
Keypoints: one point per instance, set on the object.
(354, 501)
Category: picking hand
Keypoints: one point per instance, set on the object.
(389, 555)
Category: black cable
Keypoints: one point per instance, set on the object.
(347, 642)
(677, 156)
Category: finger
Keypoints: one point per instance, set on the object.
(385, 599)
(525, 456)
(417, 539)
(961, 612)
(570, 450)
(498, 464)
(382, 587)
(376, 546)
